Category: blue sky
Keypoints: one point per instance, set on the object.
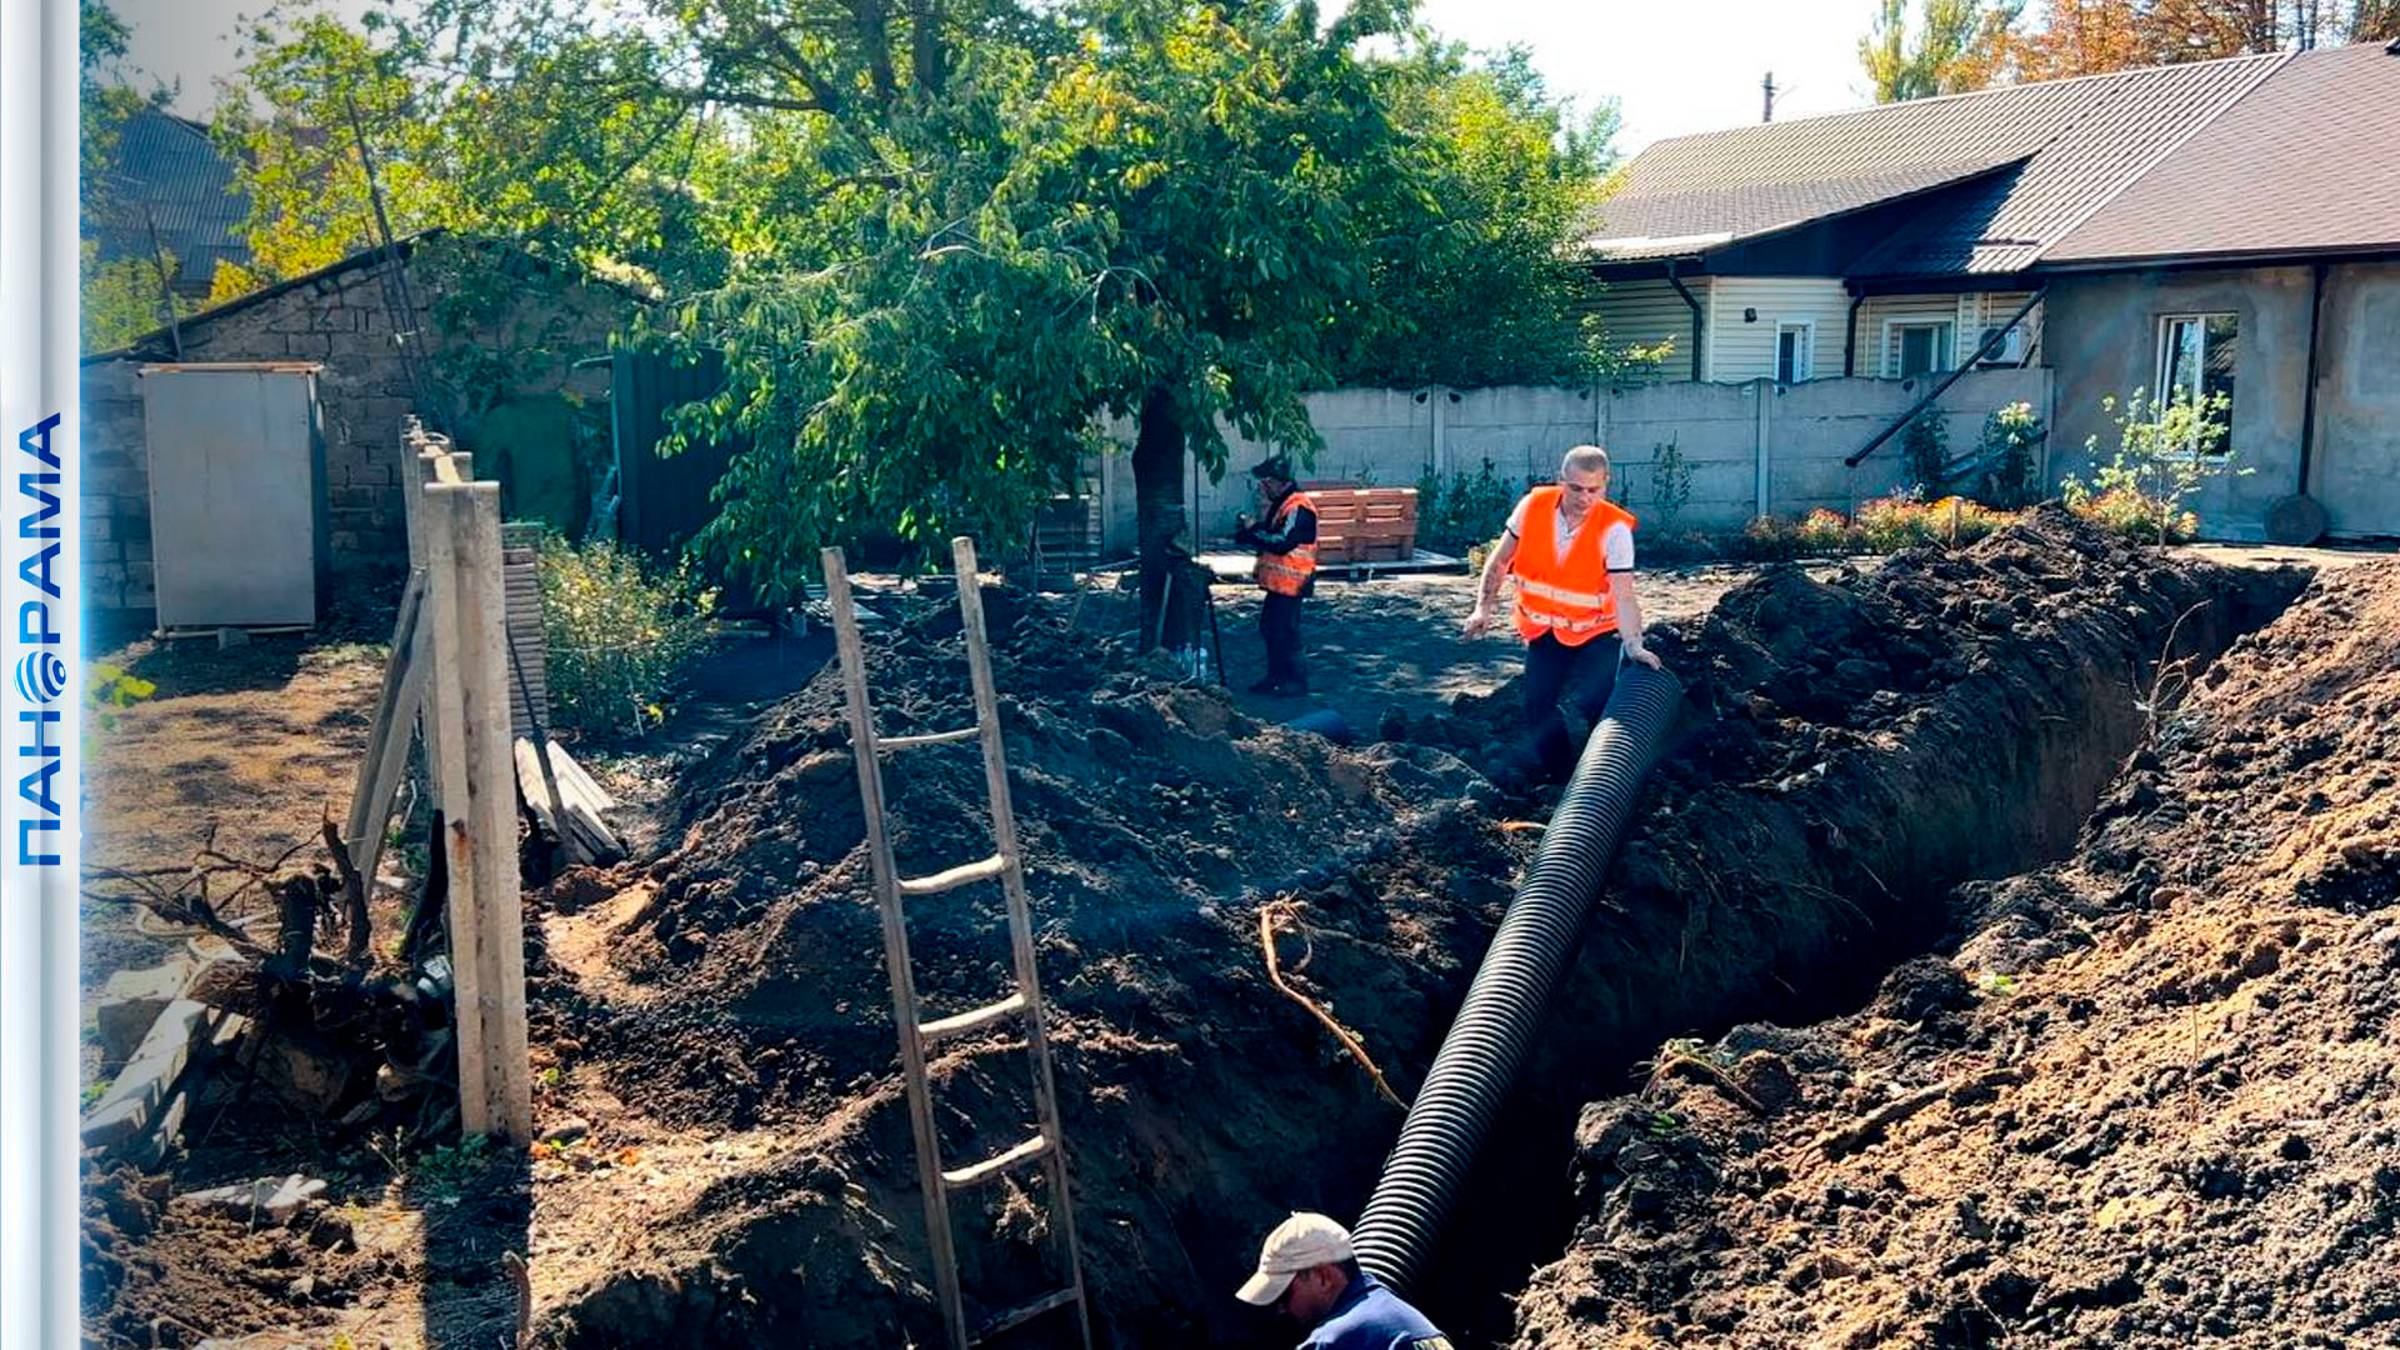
(1674, 68)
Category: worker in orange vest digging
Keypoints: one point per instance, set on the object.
(1571, 549)
(1287, 562)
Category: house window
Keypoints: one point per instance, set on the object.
(2196, 358)
(1919, 349)
(1795, 351)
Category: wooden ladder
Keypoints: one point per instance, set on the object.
(1005, 865)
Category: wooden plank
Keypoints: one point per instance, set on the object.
(477, 772)
(580, 780)
(386, 759)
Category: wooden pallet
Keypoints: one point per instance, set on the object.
(1364, 524)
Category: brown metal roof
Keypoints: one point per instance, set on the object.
(2305, 162)
(2046, 155)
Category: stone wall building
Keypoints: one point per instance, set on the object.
(504, 334)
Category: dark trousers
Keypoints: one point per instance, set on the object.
(1561, 681)
(1279, 627)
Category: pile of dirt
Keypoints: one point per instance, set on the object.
(1859, 748)
(2145, 1099)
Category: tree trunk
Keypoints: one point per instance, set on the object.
(1171, 618)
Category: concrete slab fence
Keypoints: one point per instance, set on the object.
(1753, 449)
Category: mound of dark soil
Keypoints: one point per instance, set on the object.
(2146, 1099)
(1861, 747)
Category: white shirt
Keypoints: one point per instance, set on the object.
(1616, 546)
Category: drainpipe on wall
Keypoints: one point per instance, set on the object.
(1850, 338)
(2308, 394)
(1698, 321)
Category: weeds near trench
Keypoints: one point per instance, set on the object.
(1690, 1055)
(2170, 680)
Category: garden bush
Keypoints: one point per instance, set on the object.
(620, 635)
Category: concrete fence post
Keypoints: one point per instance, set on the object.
(1763, 441)
(475, 766)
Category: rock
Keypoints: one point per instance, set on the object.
(276, 1199)
(333, 1232)
(567, 1131)
(305, 1072)
(302, 1290)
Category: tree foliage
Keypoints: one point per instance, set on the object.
(1955, 46)
(1963, 45)
(938, 242)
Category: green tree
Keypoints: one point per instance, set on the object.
(1957, 46)
(1511, 175)
(936, 241)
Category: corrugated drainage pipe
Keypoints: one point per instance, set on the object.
(1511, 994)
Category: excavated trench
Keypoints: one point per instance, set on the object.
(1852, 751)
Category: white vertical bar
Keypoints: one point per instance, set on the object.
(40, 676)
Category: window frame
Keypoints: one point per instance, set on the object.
(1895, 355)
(2163, 353)
(1804, 351)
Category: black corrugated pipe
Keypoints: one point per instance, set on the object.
(1510, 997)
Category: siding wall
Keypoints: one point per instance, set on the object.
(1967, 314)
(1744, 349)
(1649, 313)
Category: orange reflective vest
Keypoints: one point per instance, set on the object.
(1566, 598)
(1286, 573)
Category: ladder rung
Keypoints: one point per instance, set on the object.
(992, 1167)
(928, 738)
(968, 1021)
(953, 878)
(1017, 1317)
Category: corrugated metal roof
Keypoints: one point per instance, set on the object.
(2305, 161)
(166, 169)
(2071, 143)
(2127, 124)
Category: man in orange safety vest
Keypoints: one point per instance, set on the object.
(1571, 550)
(1286, 541)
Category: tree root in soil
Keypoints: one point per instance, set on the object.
(1273, 915)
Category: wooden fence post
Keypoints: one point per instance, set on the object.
(475, 768)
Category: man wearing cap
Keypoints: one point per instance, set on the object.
(1571, 550)
(1287, 560)
(1308, 1272)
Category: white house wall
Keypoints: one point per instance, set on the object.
(1649, 313)
(1743, 348)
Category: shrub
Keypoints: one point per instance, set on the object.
(619, 635)
(2166, 451)
(2130, 515)
(1456, 513)
(1670, 487)
(1925, 452)
(1770, 539)
(1825, 531)
(1890, 524)
(1885, 525)
(2010, 437)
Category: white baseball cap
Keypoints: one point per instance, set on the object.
(1301, 1242)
